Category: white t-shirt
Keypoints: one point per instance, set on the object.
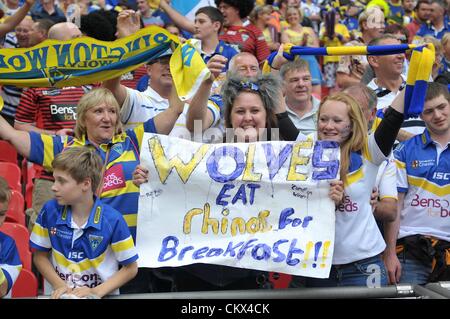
(139, 107)
(357, 235)
(387, 179)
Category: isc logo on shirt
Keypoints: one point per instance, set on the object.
(76, 255)
(441, 176)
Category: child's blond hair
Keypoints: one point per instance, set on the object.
(80, 163)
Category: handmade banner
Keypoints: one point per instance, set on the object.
(258, 205)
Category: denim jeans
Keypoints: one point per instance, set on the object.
(413, 271)
(369, 272)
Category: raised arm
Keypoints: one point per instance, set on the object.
(165, 121)
(28, 127)
(128, 23)
(180, 20)
(198, 107)
(19, 139)
(16, 18)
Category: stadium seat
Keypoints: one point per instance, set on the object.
(7, 152)
(30, 170)
(280, 280)
(15, 213)
(22, 237)
(11, 172)
(26, 285)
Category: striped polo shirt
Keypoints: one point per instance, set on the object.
(87, 255)
(9, 260)
(423, 173)
(120, 155)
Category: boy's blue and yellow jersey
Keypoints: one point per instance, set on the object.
(423, 173)
(9, 260)
(120, 155)
(87, 255)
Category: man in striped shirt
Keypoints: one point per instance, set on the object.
(239, 32)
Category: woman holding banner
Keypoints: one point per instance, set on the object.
(358, 241)
(249, 115)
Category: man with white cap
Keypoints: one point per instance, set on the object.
(139, 106)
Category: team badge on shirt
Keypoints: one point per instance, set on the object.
(415, 164)
(53, 231)
(118, 148)
(95, 241)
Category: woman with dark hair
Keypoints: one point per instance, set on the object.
(250, 105)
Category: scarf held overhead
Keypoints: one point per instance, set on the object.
(85, 60)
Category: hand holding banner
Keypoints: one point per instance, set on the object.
(248, 205)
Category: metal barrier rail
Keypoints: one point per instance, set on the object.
(442, 288)
(399, 291)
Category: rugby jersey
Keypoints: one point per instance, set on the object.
(223, 49)
(11, 98)
(246, 38)
(131, 79)
(387, 179)
(9, 260)
(123, 156)
(87, 255)
(50, 108)
(140, 106)
(413, 125)
(423, 173)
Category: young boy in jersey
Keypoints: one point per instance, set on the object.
(10, 264)
(88, 240)
(418, 241)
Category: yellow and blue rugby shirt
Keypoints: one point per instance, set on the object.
(423, 173)
(118, 190)
(9, 260)
(86, 256)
